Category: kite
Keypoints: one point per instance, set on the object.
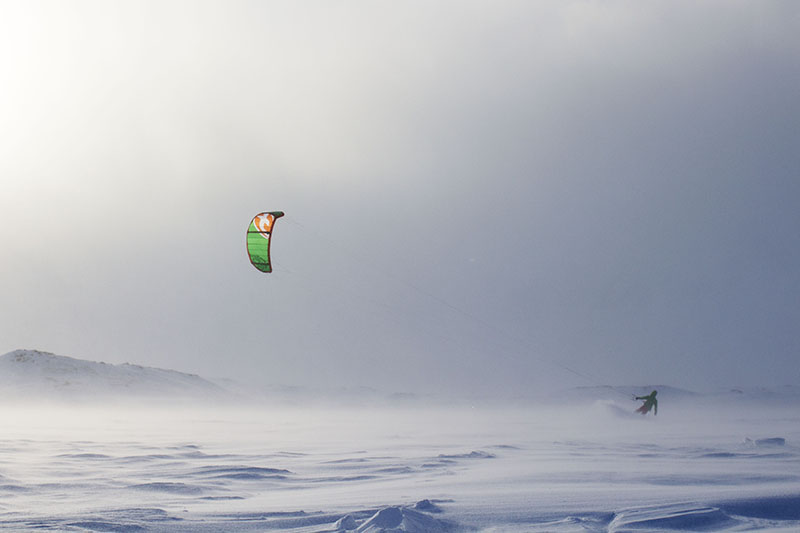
(259, 235)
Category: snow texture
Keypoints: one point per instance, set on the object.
(720, 461)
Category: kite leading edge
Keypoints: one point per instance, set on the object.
(259, 235)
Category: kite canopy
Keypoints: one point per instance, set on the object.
(258, 238)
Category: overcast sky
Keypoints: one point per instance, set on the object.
(480, 196)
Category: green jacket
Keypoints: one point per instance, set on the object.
(650, 402)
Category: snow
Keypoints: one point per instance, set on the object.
(717, 461)
(36, 375)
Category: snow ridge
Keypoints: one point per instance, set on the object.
(32, 374)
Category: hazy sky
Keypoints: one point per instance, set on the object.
(480, 196)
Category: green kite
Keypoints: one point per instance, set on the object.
(259, 235)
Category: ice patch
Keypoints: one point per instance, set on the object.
(672, 518)
(172, 488)
(112, 527)
(84, 456)
(765, 443)
(342, 479)
(243, 472)
(471, 455)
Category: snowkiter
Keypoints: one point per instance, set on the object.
(650, 402)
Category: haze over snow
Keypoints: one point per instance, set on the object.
(478, 194)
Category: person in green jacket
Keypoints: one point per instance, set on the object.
(650, 402)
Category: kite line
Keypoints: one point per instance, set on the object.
(509, 338)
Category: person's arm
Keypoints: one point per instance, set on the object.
(655, 407)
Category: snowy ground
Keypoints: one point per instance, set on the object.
(592, 467)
